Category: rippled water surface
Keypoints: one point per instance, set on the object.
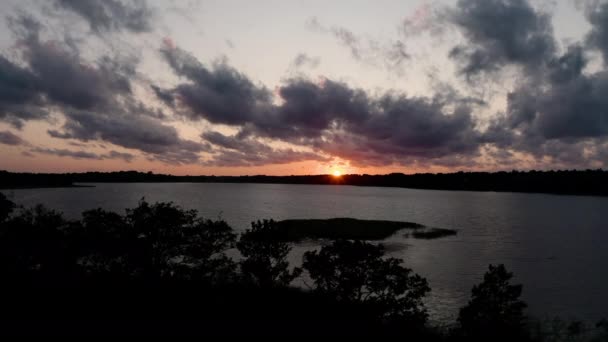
(557, 246)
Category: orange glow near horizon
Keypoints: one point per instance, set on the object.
(337, 173)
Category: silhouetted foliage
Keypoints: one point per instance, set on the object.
(495, 312)
(172, 242)
(355, 271)
(264, 256)
(602, 331)
(559, 330)
(6, 207)
(33, 246)
(150, 242)
(162, 270)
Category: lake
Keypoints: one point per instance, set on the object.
(555, 245)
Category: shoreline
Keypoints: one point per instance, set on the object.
(24, 187)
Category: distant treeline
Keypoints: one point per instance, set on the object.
(574, 182)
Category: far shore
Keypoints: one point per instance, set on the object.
(561, 182)
(36, 186)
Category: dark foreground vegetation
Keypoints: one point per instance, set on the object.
(161, 270)
(573, 182)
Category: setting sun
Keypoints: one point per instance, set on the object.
(337, 173)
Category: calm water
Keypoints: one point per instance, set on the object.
(555, 245)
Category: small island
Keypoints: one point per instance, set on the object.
(352, 229)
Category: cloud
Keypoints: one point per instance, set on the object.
(111, 15)
(165, 96)
(219, 94)
(303, 60)
(567, 103)
(59, 73)
(96, 98)
(8, 138)
(238, 151)
(597, 15)
(562, 114)
(83, 154)
(329, 117)
(132, 131)
(428, 17)
(499, 33)
(19, 94)
(555, 113)
(390, 55)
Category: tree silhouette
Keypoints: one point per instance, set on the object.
(33, 247)
(151, 242)
(495, 311)
(162, 240)
(265, 256)
(355, 271)
(6, 207)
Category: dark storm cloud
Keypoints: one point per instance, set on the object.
(567, 104)
(501, 32)
(165, 96)
(111, 15)
(131, 131)
(562, 114)
(328, 116)
(60, 73)
(95, 97)
(556, 110)
(236, 151)
(404, 130)
(19, 94)
(597, 15)
(8, 138)
(310, 108)
(83, 154)
(220, 94)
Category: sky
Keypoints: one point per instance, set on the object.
(303, 87)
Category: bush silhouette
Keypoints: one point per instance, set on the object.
(158, 241)
(33, 247)
(355, 271)
(173, 242)
(495, 311)
(164, 268)
(6, 207)
(265, 256)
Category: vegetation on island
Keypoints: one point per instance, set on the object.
(162, 270)
(295, 230)
(340, 228)
(433, 233)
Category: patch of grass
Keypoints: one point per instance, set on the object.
(340, 228)
(433, 233)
